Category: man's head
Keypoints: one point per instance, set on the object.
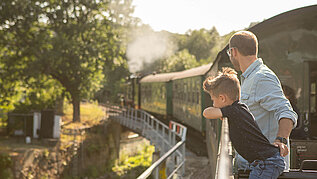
(224, 89)
(241, 45)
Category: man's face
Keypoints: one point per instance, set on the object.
(233, 60)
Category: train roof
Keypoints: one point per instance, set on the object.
(304, 17)
(162, 77)
(198, 71)
(165, 77)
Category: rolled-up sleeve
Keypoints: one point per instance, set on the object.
(270, 96)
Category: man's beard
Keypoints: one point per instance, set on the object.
(235, 63)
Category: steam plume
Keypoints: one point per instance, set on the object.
(147, 47)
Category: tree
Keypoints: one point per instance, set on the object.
(200, 42)
(71, 41)
(182, 60)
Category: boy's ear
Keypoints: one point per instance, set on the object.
(222, 97)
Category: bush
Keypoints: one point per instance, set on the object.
(5, 166)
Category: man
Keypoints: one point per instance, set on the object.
(261, 91)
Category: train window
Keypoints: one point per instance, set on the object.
(313, 97)
(175, 92)
(313, 100)
(189, 96)
(183, 91)
(197, 100)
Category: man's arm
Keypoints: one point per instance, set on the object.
(212, 113)
(284, 129)
(271, 97)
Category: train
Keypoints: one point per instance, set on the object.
(287, 45)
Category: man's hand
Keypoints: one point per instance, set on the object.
(283, 148)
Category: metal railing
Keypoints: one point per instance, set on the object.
(168, 140)
(224, 160)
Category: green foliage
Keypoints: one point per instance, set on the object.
(182, 60)
(38, 94)
(75, 43)
(5, 165)
(142, 159)
(92, 171)
(200, 42)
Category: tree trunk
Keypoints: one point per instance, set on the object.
(76, 109)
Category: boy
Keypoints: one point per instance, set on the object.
(244, 133)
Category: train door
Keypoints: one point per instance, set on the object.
(313, 100)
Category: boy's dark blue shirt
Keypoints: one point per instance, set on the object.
(245, 134)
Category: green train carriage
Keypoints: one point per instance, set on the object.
(156, 93)
(189, 98)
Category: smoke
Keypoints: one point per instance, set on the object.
(146, 47)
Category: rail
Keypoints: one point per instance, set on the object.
(224, 160)
(168, 140)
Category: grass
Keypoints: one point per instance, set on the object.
(126, 163)
(90, 115)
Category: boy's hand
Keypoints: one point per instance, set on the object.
(283, 148)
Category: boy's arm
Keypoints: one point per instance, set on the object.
(212, 113)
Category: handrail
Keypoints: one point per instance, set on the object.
(224, 162)
(148, 172)
(164, 137)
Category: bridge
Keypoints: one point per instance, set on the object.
(169, 142)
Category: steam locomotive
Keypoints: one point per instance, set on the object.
(287, 44)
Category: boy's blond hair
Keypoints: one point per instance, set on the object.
(226, 82)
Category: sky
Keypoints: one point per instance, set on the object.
(179, 16)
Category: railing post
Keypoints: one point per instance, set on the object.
(152, 127)
(135, 119)
(158, 133)
(143, 122)
(163, 137)
(183, 158)
(130, 118)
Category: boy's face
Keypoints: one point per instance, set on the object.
(218, 101)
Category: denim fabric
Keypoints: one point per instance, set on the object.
(240, 163)
(261, 91)
(270, 168)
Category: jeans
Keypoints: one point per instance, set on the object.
(270, 168)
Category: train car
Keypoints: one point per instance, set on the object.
(132, 93)
(189, 102)
(288, 45)
(157, 94)
(189, 97)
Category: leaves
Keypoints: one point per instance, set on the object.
(75, 43)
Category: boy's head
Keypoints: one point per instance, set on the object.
(224, 89)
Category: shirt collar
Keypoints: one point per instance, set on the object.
(236, 102)
(252, 67)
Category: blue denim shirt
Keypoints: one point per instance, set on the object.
(261, 90)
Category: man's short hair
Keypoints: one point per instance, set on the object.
(226, 82)
(246, 42)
